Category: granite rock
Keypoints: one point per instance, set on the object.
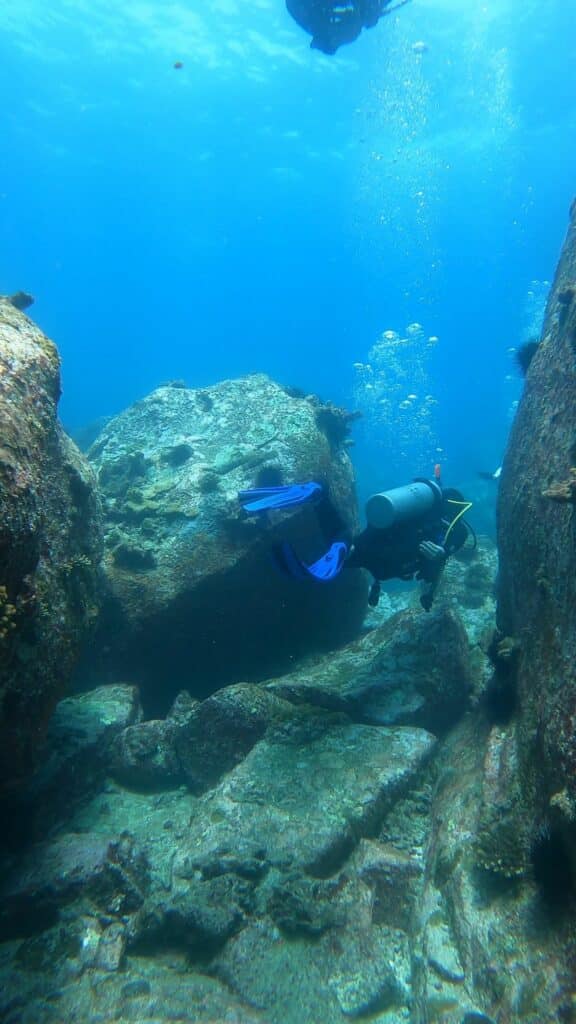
(50, 549)
(414, 669)
(192, 589)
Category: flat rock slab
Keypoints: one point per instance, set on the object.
(146, 992)
(279, 978)
(305, 805)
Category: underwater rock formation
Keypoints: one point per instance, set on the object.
(537, 538)
(412, 670)
(494, 939)
(276, 851)
(50, 543)
(281, 890)
(74, 759)
(195, 601)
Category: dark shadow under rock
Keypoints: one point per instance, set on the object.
(305, 906)
(74, 759)
(198, 915)
(106, 871)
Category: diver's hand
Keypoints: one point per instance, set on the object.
(432, 552)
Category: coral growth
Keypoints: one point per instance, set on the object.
(335, 422)
(565, 491)
(566, 294)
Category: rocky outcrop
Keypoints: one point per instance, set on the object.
(414, 669)
(280, 889)
(537, 538)
(279, 847)
(490, 942)
(50, 544)
(74, 759)
(494, 936)
(195, 601)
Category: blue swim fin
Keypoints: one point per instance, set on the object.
(323, 570)
(263, 499)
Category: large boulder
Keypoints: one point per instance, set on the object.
(494, 937)
(195, 601)
(537, 538)
(50, 543)
(414, 669)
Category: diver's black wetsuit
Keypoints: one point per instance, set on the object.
(332, 23)
(395, 553)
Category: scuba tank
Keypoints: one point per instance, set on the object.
(401, 504)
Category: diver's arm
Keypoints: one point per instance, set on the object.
(434, 559)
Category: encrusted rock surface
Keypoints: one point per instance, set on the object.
(487, 944)
(321, 784)
(50, 544)
(193, 589)
(281, 892)
(537, 538)
(468, 589)
(74, 758)
(413, 670)
(495, 939)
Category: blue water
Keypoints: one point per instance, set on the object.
(268, 208)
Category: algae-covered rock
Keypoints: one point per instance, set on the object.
(50, 544)
(271, 879)
(529, 764)
(195, 599)
(221, 731)
(106, 871)
(144, 756)
(485, 944)
(390, 874)
(537, 585)
(413, 670)
(143, 991)
(74, 758)
(305, 794)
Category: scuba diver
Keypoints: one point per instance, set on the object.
(332, 23)
(411, 531)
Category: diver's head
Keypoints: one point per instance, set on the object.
(453, 502)
(451, 494)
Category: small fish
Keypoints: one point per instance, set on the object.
(177, 65)
(491, 476)
(420, 46)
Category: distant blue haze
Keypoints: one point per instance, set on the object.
(266, 208)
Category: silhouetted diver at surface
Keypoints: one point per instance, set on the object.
(331, 24)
